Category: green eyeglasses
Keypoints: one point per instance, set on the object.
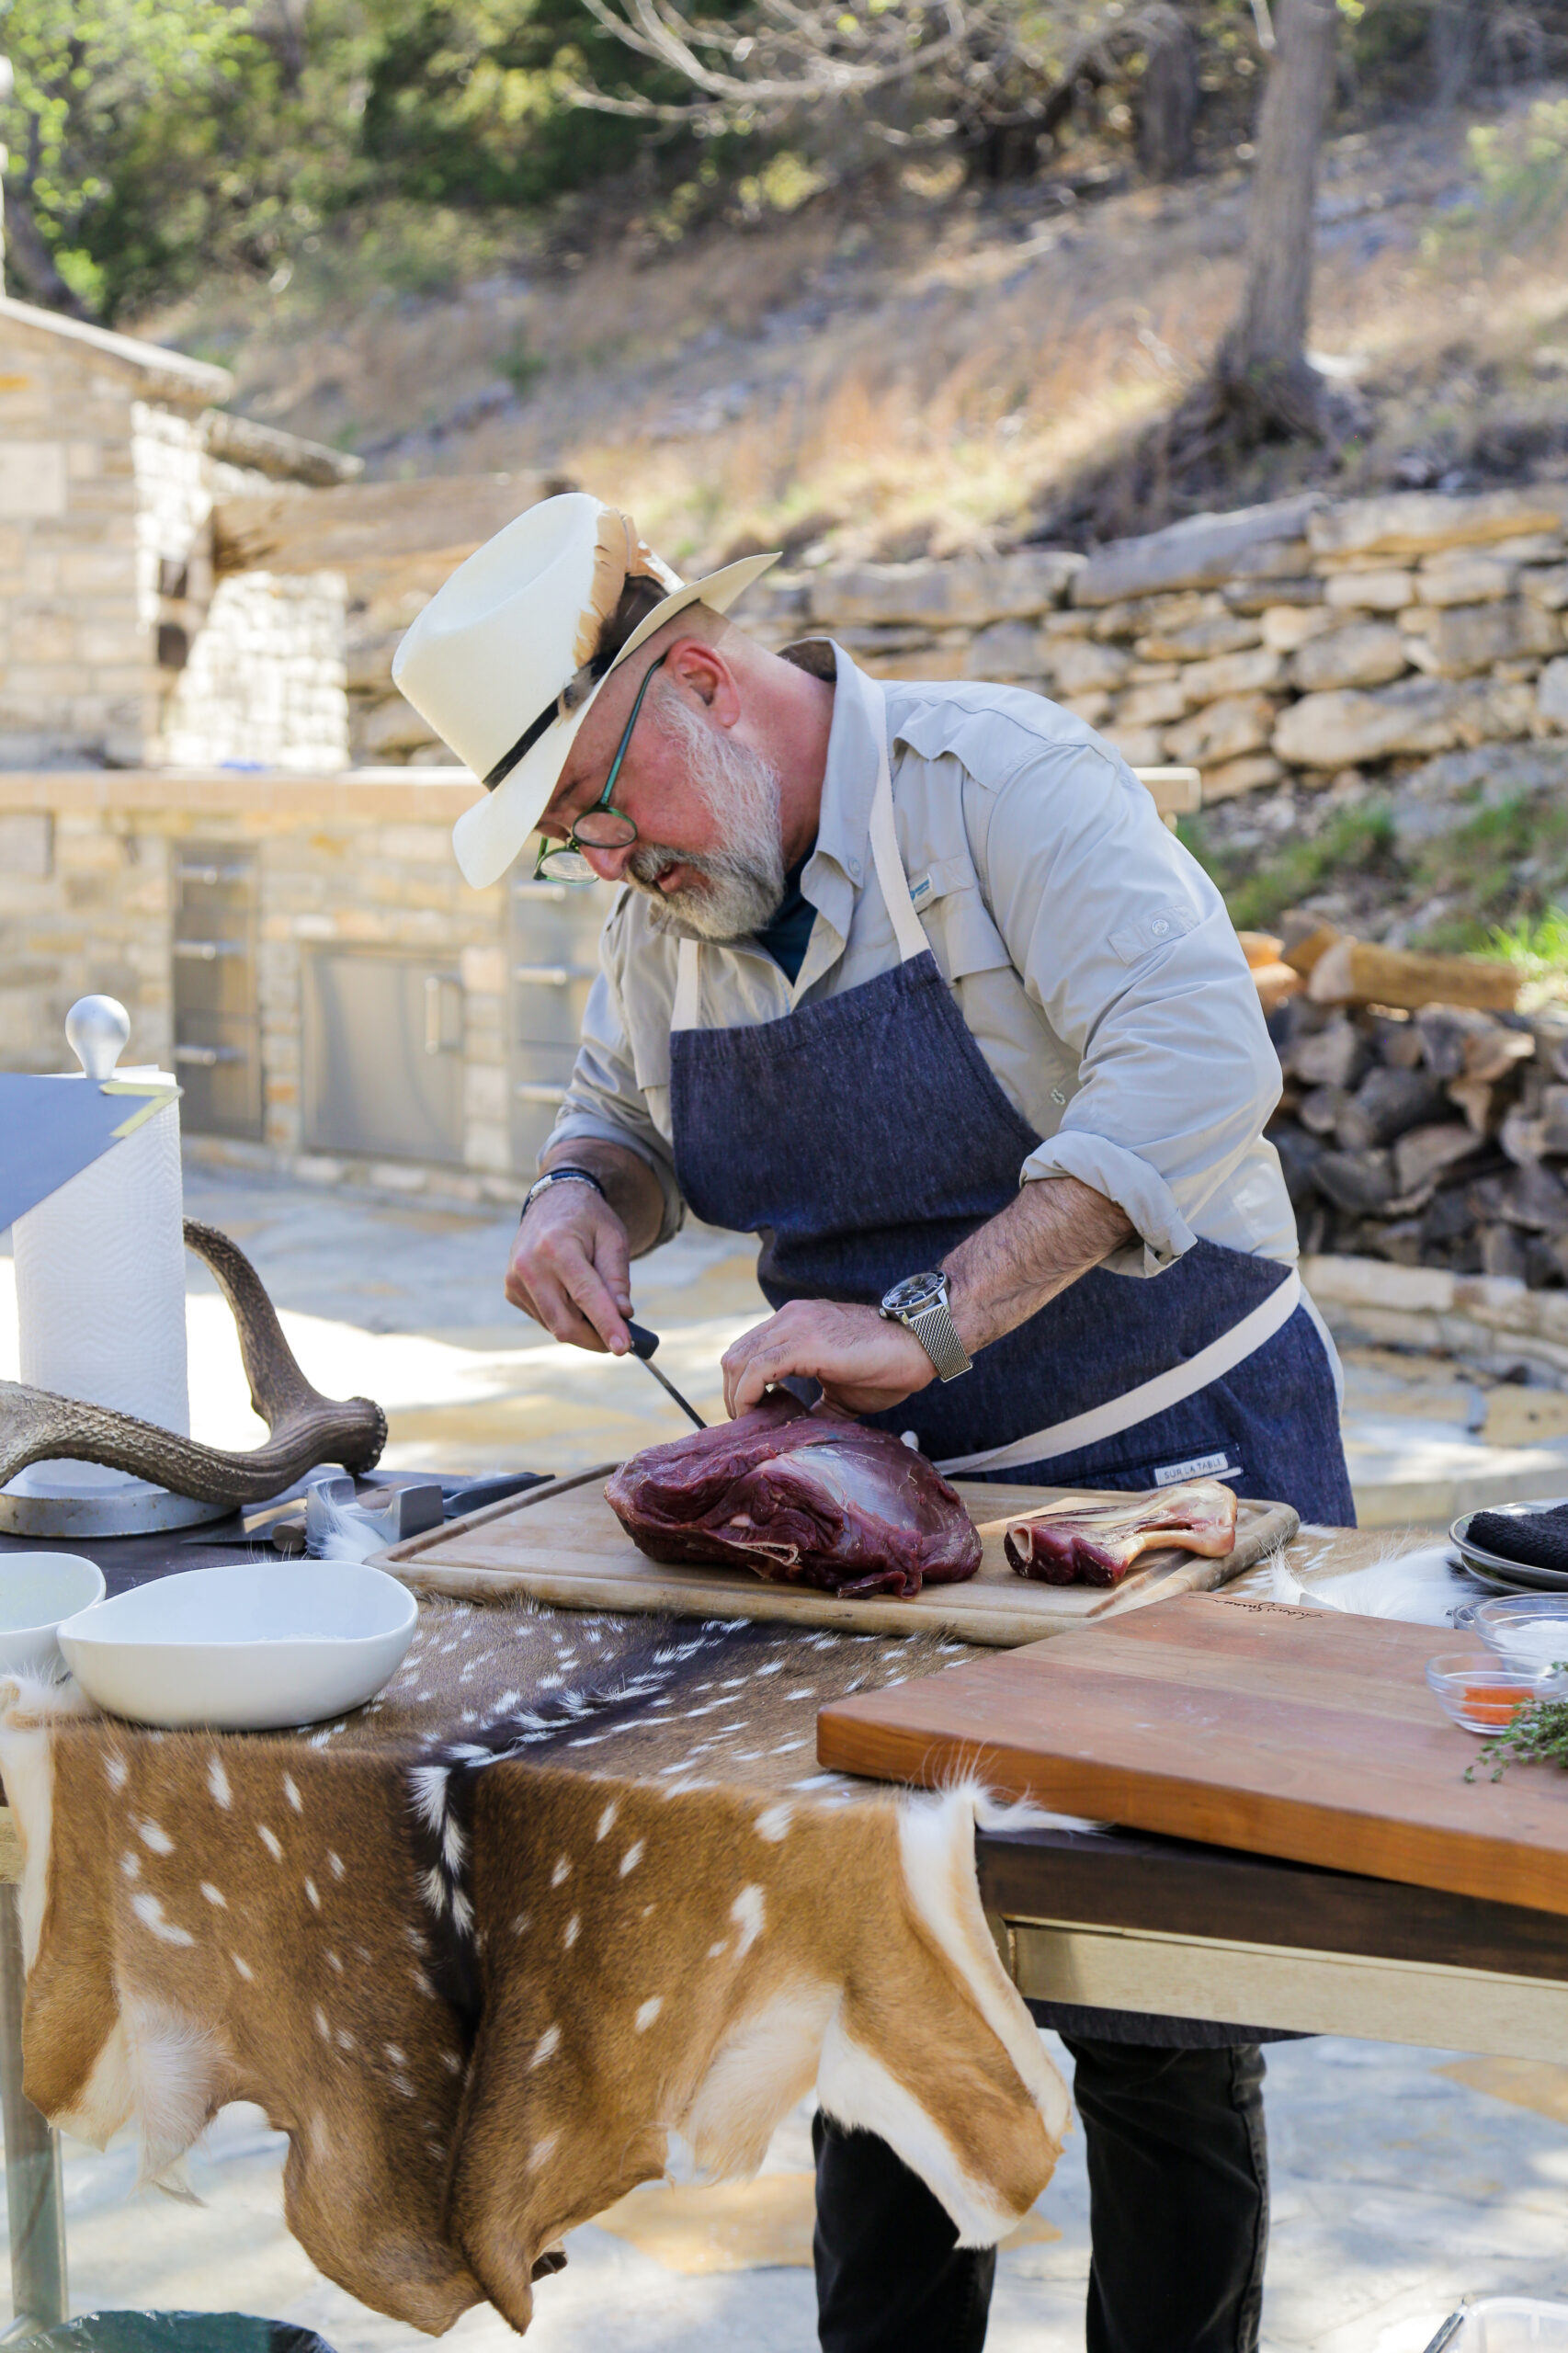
(600, 827)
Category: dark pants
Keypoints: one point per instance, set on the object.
(1179, 2213)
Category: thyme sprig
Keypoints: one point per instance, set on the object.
(1538, 1735)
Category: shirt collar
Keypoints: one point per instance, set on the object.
(837, 868)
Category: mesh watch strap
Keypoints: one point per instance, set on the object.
(938, 1334)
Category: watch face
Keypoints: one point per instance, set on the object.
(915, 1292)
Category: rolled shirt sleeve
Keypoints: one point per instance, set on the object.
(1125, 945)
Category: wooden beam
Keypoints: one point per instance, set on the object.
(293, 531)
(1358, 972)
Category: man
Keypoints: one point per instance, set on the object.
(910, 982)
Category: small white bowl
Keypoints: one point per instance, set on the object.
(37, 1590)
(250, 1648)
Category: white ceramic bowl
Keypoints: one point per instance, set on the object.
(37, 1590)
(252, 1648)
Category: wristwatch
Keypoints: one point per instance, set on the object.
(920, 1304)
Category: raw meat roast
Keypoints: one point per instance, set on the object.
(800, 1498)
(1074, 1542)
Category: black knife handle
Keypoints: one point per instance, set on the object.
(643, 1342)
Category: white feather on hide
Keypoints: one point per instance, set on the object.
(1424, 1587)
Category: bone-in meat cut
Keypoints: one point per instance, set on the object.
(1079, 1542)
(800, 1499)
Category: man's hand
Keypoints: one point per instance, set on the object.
(570, 1266)
(1055, 1231)
(571, 1269)
(864, 1363)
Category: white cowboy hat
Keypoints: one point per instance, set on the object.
(507, 659)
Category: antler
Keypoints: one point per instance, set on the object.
(303, 1426)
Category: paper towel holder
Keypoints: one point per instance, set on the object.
(98, 1030)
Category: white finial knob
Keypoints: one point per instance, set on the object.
(96, 1028)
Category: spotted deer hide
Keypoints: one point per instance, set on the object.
(571, 1887)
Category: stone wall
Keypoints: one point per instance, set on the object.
(1300, 637)
(393, 543)
(264, 685)
(78, 572)
(111, 457)
(87, 900)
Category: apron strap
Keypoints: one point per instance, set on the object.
(1151, 1397)
(890, 876)
(687, 1007)
(685, 1013)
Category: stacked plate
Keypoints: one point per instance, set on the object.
(1504, 1575)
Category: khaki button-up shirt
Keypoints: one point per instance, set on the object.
(1091, 958)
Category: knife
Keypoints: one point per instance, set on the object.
(644, 1343)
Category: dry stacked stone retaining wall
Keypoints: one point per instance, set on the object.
(1295, 637)
(1299, 638)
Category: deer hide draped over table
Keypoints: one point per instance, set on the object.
(570, 1885)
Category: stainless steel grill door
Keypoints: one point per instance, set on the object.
(554, 944)
(217, 1025)
(383, 1055)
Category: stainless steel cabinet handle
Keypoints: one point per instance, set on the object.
(435, 1040)
(207, 951)
(553, 976)
(539, 1090)
(208, 1057)
(211, 876)
(553, 894)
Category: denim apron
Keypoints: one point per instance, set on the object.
(864, 1136)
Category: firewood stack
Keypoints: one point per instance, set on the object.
(1423, 1120)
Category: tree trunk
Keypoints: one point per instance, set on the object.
(1458, 29)
(27, 258)
(1262, 367)
(1168, 97)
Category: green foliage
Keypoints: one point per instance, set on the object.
(521, 366)
(1524, 167)
(1538, 1735)
(1360, 839)
(155, 142)
(1521, 168)
(466, 101)
(1537, 944)
(360, 143)
(1507, 863)
(128, 123)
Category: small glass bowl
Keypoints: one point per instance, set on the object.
(1483, 1695)
(1501, 1623)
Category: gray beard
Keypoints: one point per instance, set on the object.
(740, 885)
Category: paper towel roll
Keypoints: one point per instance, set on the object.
(100, 1292)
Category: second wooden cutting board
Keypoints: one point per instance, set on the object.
(1299, 1733)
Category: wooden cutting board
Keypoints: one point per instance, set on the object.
(562, 1544)
(1299, 1733)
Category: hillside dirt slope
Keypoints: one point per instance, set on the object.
(927, 370)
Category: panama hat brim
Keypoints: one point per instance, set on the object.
(489, 836)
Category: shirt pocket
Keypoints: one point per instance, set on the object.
(1156, 926)
(955, 920)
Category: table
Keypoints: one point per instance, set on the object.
(34, 2194)
(1094, 1916)
(1123, 1920)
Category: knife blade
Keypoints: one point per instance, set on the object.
(643, 1344)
